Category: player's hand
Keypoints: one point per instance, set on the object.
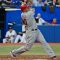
(7, 38)
(32, 9)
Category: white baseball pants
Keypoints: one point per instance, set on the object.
(31, 36)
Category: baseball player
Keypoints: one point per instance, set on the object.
(32, 33)
(40, 20)
(21, 36)
(18, 37)
(10, 36)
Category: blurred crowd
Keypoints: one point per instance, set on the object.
(30, 2)
(40, 2)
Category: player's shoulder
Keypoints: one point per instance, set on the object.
(13, 31)
(7, 32)
(22, 14)
(30, 12)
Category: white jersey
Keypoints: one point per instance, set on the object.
(29, 16)
(41, 21)
(9, 34)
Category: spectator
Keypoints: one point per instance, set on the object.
(25, 1)
(53, 3)
(43, 5)
(39, 2)
(10, 36)
(54, 21)
(30, 3)
(4, 2)
(35, 2)
(48, 0)
(39, 20)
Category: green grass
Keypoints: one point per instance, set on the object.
(35, 50)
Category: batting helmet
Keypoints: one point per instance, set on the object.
(23, 7)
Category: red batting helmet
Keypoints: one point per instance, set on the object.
(23, 7)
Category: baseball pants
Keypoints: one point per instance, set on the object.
(31, 36)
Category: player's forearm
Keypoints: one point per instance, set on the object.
(7, 38)
(13, 36)
(24, 22)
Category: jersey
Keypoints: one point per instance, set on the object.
(41, 21)
(29, 16)
(9, 34)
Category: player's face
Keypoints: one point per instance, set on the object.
(54, 20)
(38, 15)
(26, 10)
(10, 30)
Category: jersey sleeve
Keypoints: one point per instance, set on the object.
(14, 33)
(43, 21)
(23, 16)
(7, 34)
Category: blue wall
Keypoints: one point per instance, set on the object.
(14, 16)
(51, 33)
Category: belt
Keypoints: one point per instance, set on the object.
(34, 29)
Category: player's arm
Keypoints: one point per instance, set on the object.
(7, 35)
(24, 22)
(21, 33)
(14, 34)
